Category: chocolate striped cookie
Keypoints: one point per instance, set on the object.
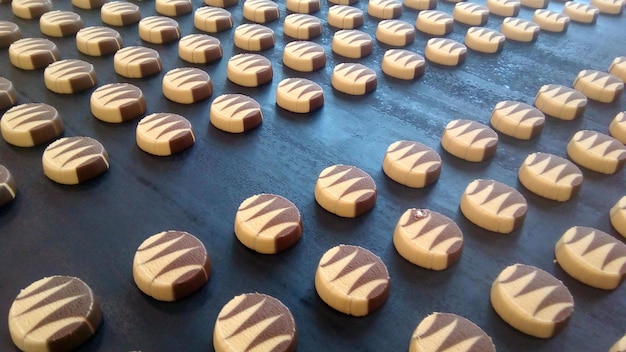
(618, 67)
(158, 29)
(504, 8)
(420, 4)
(173, 8)
(30, 9)
(221, 3)
(618, 216)
(598, 85)
(249, 70)
(199, 48)
(592, 257)
(212, 19)
(345, 17)
(117, 102)
(561, 102)
(516, 119)
(611, 7)
(187, 85)
(343, 2)
(550, 176)
(74, 160)
(412, 164)
(346, 191)
(441, 332)
(268, 223)
(353, 79)
(164, 134)
(384, 9)
(260, 11)
(88, 4)
(434, 22)
(235, 113)
(137, 62)
(255, 322)
(485, 40)
(304, 56)
(519, 30)
(597, 151)
(303, 6)
(403, 64)
(33, 53)
(445, 51)
(531, 300)
(171, 265)
(352, 43)
(581, 12)
(98, 41)
(69, 76)
(428, 239)
(535, 4)
(493, 206)
(470, 14)
(253, 37)
(299, 95)
(551, 21)
(8, 187)
(617, 128)
(60, 23)
(302, 26)
(395, 32)
(8, 97)
(469, 140)
(120, 13)
(30, 124)
(57, 313)
(9, 33)
(352, 280)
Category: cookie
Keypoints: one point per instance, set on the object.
(445, 52)
(8, 187)
(304, 56)
(346, 191)
(516, 119)
(255, 321)
(117, 102)
(504, 8)
(98, 41)
(8, 97)
(434, 22)
(164, 134)
(171, 265)
(74, 160)
(299, 95)
(33, 53)
(618, 216)
(158, 29)
(221, 3)
(30, 9)
(617, 128)
(551, 21)
(56, 313)
(493, 206)
(550, 176)
(88, 4)
(120, 13)
(353, 79)
(235, 113)
(302, 26)
(470, 14)
(618, 67)
(343, 2)
(598, 85)
(9, 33)
(412, 164)
(253, 37)
(352, 280)
(469, 140)
(69, 76)
(30, 124)
(173, 8)
(484, 40)
(187, 85)
(249, 70)
(395, 32)
(199, 48)
(260, 11)
(268, 223)
(384, 9)
(137, 62)
(535, 4)
(592, 257)
(60, 23)
(581, 12)
(428, 239)
(449, 332)
(345, 17)
(611, 7)
(212, 19)
(420, 4)
(519, 30)
(352, 43)
(403, 64)
(303, 6)
(619, 346)
(531, 300)
(561, 102)
(597, 151)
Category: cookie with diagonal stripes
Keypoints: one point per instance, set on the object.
(519, 30)
(345, 17)
(304, 56)
(33, 53)
(212, 19)
(73, 160)
(346, 191)
(597, 151)
(412, 164)
(395, 32)
(516, 119)
(484, 39)
(617, 128)
(8, 96)
(551, 21)
(581, 12)
(253, 37)
(98, 41)
(445, 51)
(618, 216)
(69, 76)
(137, 62)
(403, 64)
(469, 140)
(8, 188)
(30, 124)
(504, 8)
(598, 85)
(302, 26)
(441, 332)
(117, 102)
(434, 22)
(352, 280)
(550, 176)
(249, 70)
(164, 134)
(199, 48)
(470, 14)
(384, 9)
(352, 43)
(354, 79)
(159, 29)
(120, 13)
(235, 113)
(187, 85)
(9, 33)
(561, 102)
(60, 23)
(618, 67)
(299, 95)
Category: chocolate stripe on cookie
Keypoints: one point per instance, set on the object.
(8, 187)
(441, 332)
(599, 247)
(360, 268)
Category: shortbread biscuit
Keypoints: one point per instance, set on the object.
(516, 119)
(33, 53)
(88, 4)
(69, 76)
(412, 164)
(535, 4)
(212, 19)
(403, 64)
(354, 79)
(120, 13)
(74, 160)
(345, 17)
(384, 9)
(158, 29)
(611, 7)
(470, 14)
(249, 70)
(504, 8)
(199, 48)
(420, 4)
(253, 37)
(304, 56)
(235, 113)
(8, 187)
(618, 216)
(137, 62)
(187, 85)
(221, 3)
(484, 40)
(9, 33)
(395, 32)
(299, 95)
(434, 22)
(260, 11)
(173, 8)
(302, 26)
(445, 51)
(597, 151)
(618, 67)
(164, 134)
(343, 2)
(581, 12)
(98, 41)
(598, 85)
(561, 102)
(551, 21)
(117, 102)
(352, 43)
(449, 332)
(303, 6)
(60, 23)
(617, 128)
(469, 140)
(550, 176)
(31, 124)
(519, 30)
(30, 9)
(346, 191)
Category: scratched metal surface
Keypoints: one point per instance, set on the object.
(92, 230)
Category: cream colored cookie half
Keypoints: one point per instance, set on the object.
(469, 140)
(420, 4)
(164, 134)
(551, 21)
(403, 64)
(618, 67)
(253, 37)
(561, 102)
(346, 191)
(445, 51)
(354, 79)
(74, 160)
(299, 95)
(516, 119)
(235, 113)
(412, 164)
(598, 85)
(484, 40)
(597, 151)
(550, 176)
(617, 128)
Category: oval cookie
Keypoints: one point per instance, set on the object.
(120, 13)
(249, 70)
(469, 140)
(517, 120)
(484, 40)
(550, 176)
(173, 8)
(69, 76)
(60, 23)
(403, 64)
(299, 95)
(504, 8)
(618, 216)
(395, 32)
(420, 4)
(581, 12)
(445, 51)
(434, 22)
(345, 17)
(8, 187)
(212, 19)
(470, 14)
(304, 56)
(137, 62)
(164, 134)
(617, 128)
(611, 7)
(618, 67)
(98, 41)
(117, 102)
(352, 280)
(561, 102)
(199, 48)
(8, 96)
(449, 332)
(30, 124)
(302, 26)
(253, 37)
(354, 79)
(384, 9)
(33, 53)
(597, 151)
(352, 43)
(30, 9)
(303, 6)
(551, 21)
(235, 113)
(74, 160)
(187, 85)
(346, 191)
(260, 11)
(598, 85)
(412, 164)
(158, 29)
(519, 30)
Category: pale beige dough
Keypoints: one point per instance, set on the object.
(403, 64)
(561, 102)
(299, 95)
(212, 19)
(434, 22)
(597, 151)
(516, 119)
(519, 30)
(611, 7)
(551, 21)
(354, 79)
(412, 164)
(445, 51)
(235, 113)
(221, 3)
(164, 134)
(304, 56)
(484, 40)
(550, 176)
(617, 128)
(598, 85)
(31, 124)
(395, 32)
(535, 4)
(88, 4)
(346, 191)
(619, 346)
